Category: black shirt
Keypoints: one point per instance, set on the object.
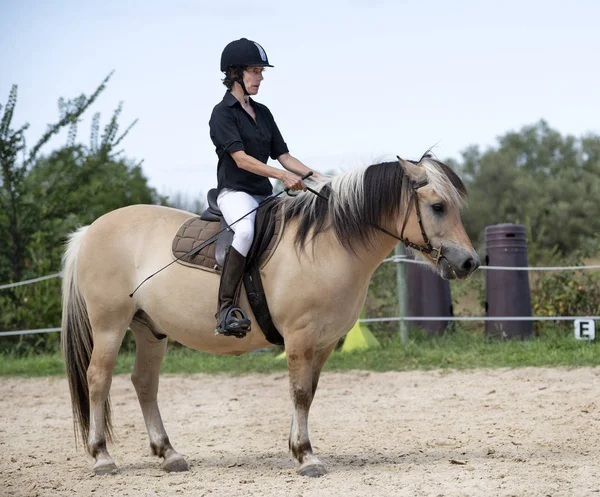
(233, 129)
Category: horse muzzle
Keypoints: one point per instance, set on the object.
(457, 263)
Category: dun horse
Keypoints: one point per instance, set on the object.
(315, 282)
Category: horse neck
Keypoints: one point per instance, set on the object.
(382, 246)
(366, 259)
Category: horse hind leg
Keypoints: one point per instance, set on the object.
(150, 350)
(99, 377)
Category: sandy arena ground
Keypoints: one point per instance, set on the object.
(523, 432)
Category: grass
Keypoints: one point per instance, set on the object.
(460, 350)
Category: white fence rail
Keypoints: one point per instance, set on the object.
(28, 332)
(477, 318)
(403, 258)
(396, 259)
(28, 282)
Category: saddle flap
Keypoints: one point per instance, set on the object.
(225, 240)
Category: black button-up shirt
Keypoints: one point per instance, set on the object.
(233, 129)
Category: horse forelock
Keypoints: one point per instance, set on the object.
(444, 181)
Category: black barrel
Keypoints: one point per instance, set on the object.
(428, 295)
(507, 292)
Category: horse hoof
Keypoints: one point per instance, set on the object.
(313, 471)
(175, 465)
(105, 468)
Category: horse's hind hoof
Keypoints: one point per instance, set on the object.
(314, 471)
(105, 468)
(175, 465)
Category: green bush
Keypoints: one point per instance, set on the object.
(565, 293)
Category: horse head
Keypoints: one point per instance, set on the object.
(433, 195)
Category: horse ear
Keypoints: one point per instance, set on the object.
(415, 172)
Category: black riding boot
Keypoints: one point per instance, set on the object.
(231, 320)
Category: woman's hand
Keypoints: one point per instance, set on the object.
(292, 182)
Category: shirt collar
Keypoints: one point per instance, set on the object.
(230, 100)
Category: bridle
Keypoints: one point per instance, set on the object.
(434, 254)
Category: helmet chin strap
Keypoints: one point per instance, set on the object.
(240, 81)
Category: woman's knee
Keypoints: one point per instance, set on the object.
(244, 234)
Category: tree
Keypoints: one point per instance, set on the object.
(538, 178)
(43, 198)
(16, 224)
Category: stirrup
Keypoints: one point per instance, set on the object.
(235, 323)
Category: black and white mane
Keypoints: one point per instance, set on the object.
(362, 198)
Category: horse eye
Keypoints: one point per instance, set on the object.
(439, 208)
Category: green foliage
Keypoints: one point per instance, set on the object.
(11, 144)
(43, 198)
(74, 183)
(538, 178)
(565, 293)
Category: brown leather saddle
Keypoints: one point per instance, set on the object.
(199, 244)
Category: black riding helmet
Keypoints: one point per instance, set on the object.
(242, 53)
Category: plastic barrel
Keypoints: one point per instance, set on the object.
(428, 296)
(507, 292)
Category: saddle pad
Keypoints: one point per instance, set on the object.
(191, 234)
(195, 231)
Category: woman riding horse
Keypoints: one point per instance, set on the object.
(316, 282)
(245, 135)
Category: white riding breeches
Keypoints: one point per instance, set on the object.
(234, 204)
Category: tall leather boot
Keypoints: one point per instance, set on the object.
(231, 320)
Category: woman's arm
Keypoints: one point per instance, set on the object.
(294, 165)
(249, 163)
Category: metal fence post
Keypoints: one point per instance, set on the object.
(402, 293)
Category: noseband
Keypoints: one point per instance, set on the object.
(434, 253)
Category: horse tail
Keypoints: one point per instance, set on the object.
(77, 340)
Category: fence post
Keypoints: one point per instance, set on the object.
(428, 296)
(507, 292)
(401, 293)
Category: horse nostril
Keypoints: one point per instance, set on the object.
(468, 265)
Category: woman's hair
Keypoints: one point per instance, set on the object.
(232, 74)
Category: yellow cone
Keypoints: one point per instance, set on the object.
(359, 338)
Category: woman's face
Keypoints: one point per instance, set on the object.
(252, 78)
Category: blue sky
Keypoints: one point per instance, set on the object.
(353, 82)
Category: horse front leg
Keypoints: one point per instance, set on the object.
(304, 366)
